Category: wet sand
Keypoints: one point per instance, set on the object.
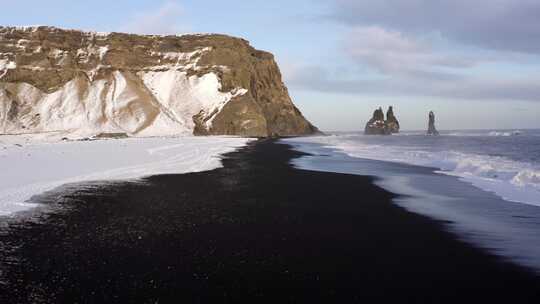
(257, 229)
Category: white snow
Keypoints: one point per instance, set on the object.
(57, 53)
(31, 169)
(216, 109)
(179, 56)
(103, 51)
(100, 34)
(164, 105)
(183, 61)
(5, 66)
(159, 100)
(188, 96)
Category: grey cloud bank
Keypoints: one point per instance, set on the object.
(497, 24)
(432, 48)
(316, 78)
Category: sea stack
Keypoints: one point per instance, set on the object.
(377, 125)
(391, 121)
(87, 83)
(431, 125)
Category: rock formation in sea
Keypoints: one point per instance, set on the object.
(86, 83)
(391, 121)
(431, 125)
(377, 125)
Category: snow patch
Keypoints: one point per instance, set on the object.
(218, 107)
(33, 68)
(102, 52)
(5, 66)
(182, 61)
(144, 104)
(189, 96)
(157, 100)
(58, 54)
(39, 167)
(92, 74)
(100, 34)
(11, 65)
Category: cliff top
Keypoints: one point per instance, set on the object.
(48, 28)
(141, 84)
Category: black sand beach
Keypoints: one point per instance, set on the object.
(257, 229)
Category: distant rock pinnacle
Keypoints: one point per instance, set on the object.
(431, 125)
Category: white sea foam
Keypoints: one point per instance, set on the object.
(511, 133)
(479, 133)
(517, 181)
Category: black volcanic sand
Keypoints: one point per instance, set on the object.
(256, 229)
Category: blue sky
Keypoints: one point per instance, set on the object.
(469, 61)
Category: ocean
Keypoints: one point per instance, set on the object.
(483, 184)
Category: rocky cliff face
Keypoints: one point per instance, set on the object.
(83, 83)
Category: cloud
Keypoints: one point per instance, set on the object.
(391, 52)
(509, 25)
(317, 78)
(454, 49)
(162, 21)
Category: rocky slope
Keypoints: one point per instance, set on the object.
(84, 83)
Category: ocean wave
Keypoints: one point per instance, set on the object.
(513, 180)
(511, 133)
(503, 133)
(527, 177)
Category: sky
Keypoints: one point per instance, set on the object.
(476, 63)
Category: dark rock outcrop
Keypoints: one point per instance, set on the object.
(431, 125)
(377, 125)
(391, 121)
(141, 85)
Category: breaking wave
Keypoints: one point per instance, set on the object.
(504, 133)
(513, 180)
(512, 133)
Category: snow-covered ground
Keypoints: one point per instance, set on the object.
(30, 167)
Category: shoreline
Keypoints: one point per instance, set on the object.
(508, 174)
(257, 229)
(480, 218)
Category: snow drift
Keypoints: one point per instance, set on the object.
(32, 169)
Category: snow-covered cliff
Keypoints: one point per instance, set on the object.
(83, 83)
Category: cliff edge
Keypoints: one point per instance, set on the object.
(86, 83)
